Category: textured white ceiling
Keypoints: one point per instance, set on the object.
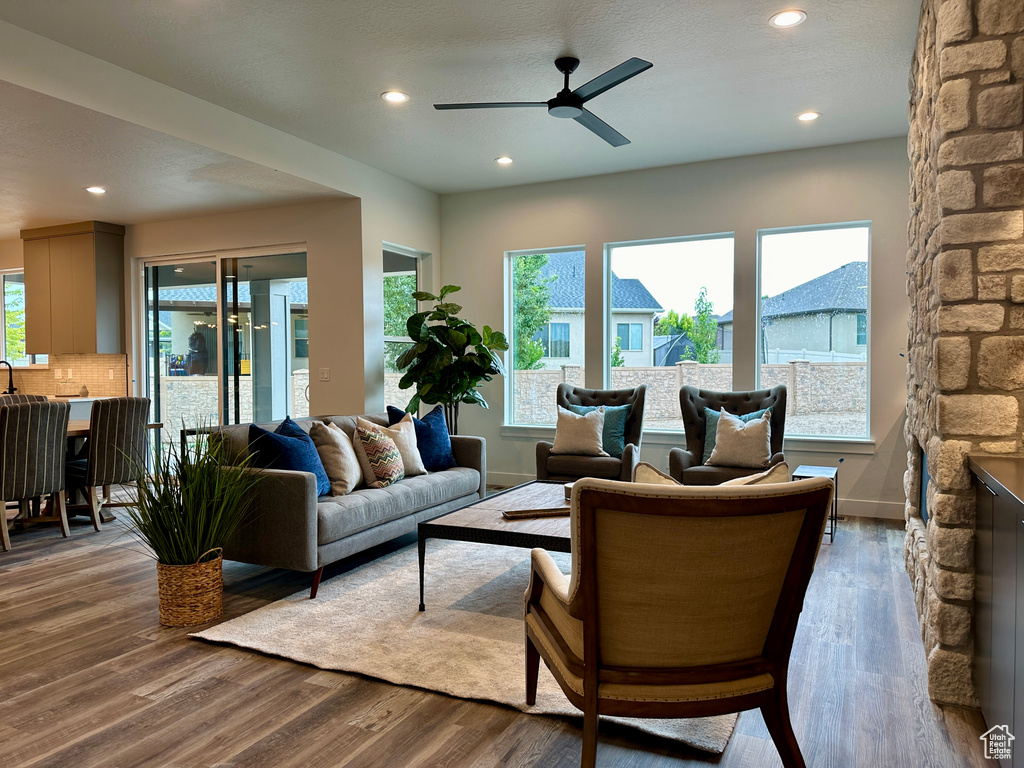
(724, 83)
(51, 150)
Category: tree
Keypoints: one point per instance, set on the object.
(617, 360)
(705, 331)
(14, 322)
(530, 310)
(398, 306)
(673, 324)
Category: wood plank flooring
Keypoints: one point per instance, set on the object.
(89, 678)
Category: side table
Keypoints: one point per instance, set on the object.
(805, 471)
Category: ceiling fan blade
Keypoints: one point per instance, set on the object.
(589, 120)
(611, 78)
(493, 105)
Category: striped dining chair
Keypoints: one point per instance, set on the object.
(33, 443)
(115, 451)
(20, 399)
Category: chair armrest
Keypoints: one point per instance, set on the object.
(543, 451)
(545, 575)
(630, 458)
(778, 458)
(471, 451)
(678, 460)
(280, 527)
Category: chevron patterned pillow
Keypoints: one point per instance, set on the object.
(382, 457)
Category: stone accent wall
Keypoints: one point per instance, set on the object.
(965, 280)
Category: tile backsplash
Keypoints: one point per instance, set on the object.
(103, 375)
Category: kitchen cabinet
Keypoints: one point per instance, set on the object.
(74, 288)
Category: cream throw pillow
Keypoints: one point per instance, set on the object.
(338, 457)
(777, 474)
(648, 473)
(740, 444)
(580, 435)
(404, 435)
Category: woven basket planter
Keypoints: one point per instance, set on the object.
(190, 594)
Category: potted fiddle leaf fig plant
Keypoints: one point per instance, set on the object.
(184, 511)
(449, 358)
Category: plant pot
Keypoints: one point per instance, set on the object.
(190, 594)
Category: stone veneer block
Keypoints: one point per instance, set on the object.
(953, 105)
(982, 148)
(992, 287)
(971, 317)
(1003, 185)
(1000, 17)
(956, 60)
(999, 447)
(977, 414)
(952, 585)
(955, 275)
(1001, 258)
(949, 677)
(951, 547)
(1001, 362)
(952, 508)
(1001, 107)
(962, 228)
(1016, 320)
(953, 362)
(956, 190)
(955, 22)
(947, 463)
(1017, 289)
(1017, 57)
(999, 76)
(951, 622)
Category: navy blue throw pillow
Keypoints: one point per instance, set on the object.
(288, 447)
(432, 440)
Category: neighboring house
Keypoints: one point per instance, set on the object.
(669, 350)
(633, 313)
(824, 318)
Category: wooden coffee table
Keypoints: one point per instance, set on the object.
(481, 522)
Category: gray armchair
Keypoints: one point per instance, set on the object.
(566, 468)
(687, 466)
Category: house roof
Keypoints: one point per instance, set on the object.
(841, 290)
(567, 290)
(207, 294)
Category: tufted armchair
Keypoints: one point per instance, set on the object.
(566, 468)
(687, 466)
(632, 633)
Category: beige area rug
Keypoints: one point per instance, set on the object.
(468, 643)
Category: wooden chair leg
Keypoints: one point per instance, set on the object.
(589, 759)
(91, 496)
(5, 537)
(776, 717)
(317, 574)
(61, 503)
(532, 668)
(106, 494)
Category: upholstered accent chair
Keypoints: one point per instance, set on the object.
(116, 449)
(33, 443)
(687, 465)
(566, 468)
(682, 602)
(20, 399)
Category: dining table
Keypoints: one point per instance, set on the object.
(80, 427)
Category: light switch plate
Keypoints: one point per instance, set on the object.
(325, 374)
(110, 374)
(56, 373)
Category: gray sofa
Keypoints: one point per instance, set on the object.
(289, 527)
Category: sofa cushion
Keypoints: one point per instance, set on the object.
(432, 439)
(613, 435)
(342, 516)
(584, 466)
(288, 447)
(379, 457)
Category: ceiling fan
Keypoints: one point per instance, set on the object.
(570, 103)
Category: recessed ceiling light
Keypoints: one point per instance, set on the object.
(395, 97)
(789, 18)
(96, 190)
(503, 160)
(806, 117)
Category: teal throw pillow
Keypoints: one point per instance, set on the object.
(614, 436)
(711, 433)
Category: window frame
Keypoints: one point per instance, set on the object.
(629, 337)
(866, 438)
(32, 358)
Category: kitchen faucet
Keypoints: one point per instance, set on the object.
(11, 389)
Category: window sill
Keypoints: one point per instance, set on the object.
(671, 439)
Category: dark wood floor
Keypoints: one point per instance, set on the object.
(89, 678)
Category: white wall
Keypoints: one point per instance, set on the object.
(854, 182)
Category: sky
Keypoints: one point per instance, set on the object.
(675, 272)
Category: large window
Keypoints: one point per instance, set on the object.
(547, 327)
(671, 320)
(14, 322)
(814, 326)
(401, 280)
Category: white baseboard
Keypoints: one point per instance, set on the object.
(885, 510)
